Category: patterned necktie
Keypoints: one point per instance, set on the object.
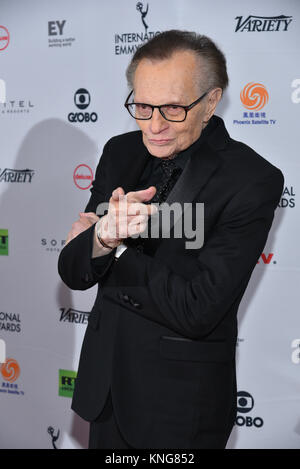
(171, 173)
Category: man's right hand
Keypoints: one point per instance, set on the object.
(127, 215)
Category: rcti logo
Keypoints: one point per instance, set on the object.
(245, 404)
(82, 100)
(254, 97)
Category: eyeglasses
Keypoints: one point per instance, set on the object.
(170, 112)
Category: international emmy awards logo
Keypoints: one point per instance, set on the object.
(139, 7)
(54, 438)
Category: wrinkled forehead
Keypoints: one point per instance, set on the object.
(170, 79)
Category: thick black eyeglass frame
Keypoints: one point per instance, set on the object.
(186, 108)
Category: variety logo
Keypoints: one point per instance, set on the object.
(73, 316)
(82, 99)
(127, 43)
(2, 91)
(66, 383)
(3, 242)
(254, 97)
(16, 175)
(296, 353)
(83, 176)
(10, 371)
(288, 198)
(53, 244)
(245, 404)
(266, 258)
(295, 96)
(263, 23)
(4, 38)
(10, 322)
(55, 33)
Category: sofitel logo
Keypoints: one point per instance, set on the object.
(127, 43)
(263, 23)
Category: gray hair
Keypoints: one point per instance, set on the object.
(212, 67)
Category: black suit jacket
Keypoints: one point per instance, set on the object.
(162, 332)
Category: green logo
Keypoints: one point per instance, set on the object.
(3, 242)
(66, 383)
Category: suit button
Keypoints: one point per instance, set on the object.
(86, 278)
(135, 304)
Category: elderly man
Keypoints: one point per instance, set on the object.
(157, 366)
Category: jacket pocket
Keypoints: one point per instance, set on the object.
(180, 348)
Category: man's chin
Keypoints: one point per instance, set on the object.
(160, 151)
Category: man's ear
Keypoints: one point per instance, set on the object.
(213, 98)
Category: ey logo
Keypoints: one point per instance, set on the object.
(254, 96)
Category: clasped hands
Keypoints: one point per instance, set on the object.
(127, 215)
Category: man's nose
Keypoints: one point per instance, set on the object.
(157, 122)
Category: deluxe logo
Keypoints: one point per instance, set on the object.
(73, 316)
(55, 33)
(66, 383)
(262, 23)
(16, 175)
(4, 38)
(288, 198)
(3, 242)
(2, 91)
(82, 99)
(127, 43)
(83, 176)
(10, 371)
(254, 97)
(296, 353)
(295, 96)
(245, 404)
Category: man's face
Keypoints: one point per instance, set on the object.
(170, 81)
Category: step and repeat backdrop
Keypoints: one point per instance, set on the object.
(62, 89)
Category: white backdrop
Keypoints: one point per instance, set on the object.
(56, 54)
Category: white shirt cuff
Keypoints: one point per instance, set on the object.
(120, 249)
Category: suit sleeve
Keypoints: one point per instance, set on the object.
(76, 267)
(193, 307)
